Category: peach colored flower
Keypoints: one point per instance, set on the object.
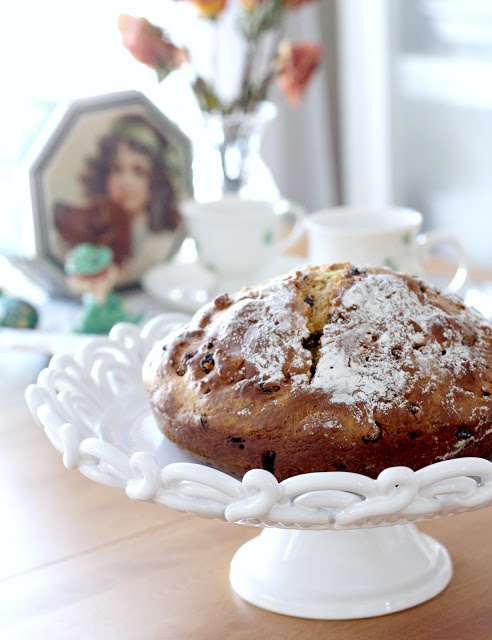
(296, 62)
(209, 8)
(295, 3)
(149, 45)
(250, 5)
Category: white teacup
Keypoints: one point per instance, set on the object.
(379, 236)
(236, 236)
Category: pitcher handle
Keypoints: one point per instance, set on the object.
(296, 211)
(425, 242)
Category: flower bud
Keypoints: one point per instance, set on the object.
(209, 8)
(296, 62)
(149, 44)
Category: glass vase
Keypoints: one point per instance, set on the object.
(230, 161)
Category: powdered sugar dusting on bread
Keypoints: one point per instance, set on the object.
(382, 342)
(328, 368)
(269, 332)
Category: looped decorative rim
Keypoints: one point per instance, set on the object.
(74, 391)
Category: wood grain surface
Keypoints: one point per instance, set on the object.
(79, 560)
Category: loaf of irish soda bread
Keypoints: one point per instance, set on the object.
(325, 369)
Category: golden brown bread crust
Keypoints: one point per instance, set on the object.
(327, 368)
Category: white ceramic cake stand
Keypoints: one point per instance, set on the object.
(334, 544)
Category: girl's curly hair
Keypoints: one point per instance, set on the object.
(142, 137)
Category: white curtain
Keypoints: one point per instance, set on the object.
(300, 148)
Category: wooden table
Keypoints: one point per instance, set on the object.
(79, 560)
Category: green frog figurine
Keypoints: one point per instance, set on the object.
(92, 273)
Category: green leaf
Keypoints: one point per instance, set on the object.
(265, 16)
(390, 263)
(406, 238)
(162, 72)
(207, 99)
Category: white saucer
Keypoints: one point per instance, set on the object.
(185, 286)
(188, 285)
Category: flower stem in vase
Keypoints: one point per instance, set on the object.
(215, 58)
(237, 138)
(234, 125)
(246, 83)
(232, 152)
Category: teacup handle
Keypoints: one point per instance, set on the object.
(288, 208)
(425, 242)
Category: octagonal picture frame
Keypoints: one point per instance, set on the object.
(71, 201)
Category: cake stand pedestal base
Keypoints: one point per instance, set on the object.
(340, 574)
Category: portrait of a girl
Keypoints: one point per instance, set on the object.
(131, 185)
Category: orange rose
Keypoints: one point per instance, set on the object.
(209, 8)
(296, 62)
(148, 44)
